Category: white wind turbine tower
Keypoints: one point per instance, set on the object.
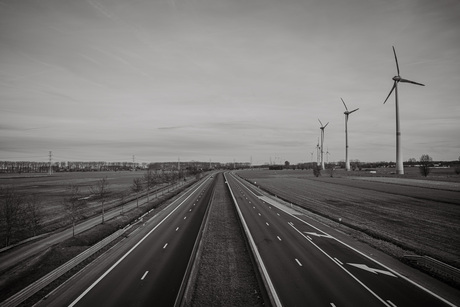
(322, 142)
(347, 160)
(397, 79)
(318, 161)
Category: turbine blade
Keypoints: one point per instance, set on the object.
(392, 89)
(409, 81)
(320, 122)
(326, 125)
(396, 59)
(353, 111)
(344, 104)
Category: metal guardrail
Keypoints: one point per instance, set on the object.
(184, 296)
(271, 292)
(33, 288)
(435, 266)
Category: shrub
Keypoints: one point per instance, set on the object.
(317, 170)
(457, 169)
(425, 161)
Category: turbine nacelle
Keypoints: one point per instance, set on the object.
(322, 126)
(348, 112)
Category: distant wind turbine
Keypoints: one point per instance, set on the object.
(347, 161)
(322, 142)
(318, 161)
(397, 79)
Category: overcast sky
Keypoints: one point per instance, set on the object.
(224, 80)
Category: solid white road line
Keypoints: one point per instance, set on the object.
(145, 274)
(391, 303)
(271, 289)
(338, 261)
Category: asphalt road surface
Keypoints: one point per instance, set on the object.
(309, 267)
(151, 271)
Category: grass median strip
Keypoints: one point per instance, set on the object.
(226, 276)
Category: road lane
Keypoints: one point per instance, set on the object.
(150, 270)
(301, 275)
(334, 266)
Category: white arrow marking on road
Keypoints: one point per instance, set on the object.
(375, 271)
(318, 234)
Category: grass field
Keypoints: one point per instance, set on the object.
(417, 215)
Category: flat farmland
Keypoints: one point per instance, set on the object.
(417, 216)
(51, 190)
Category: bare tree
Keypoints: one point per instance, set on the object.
(123, 195)
(11, 208)
(425, 163)
(33, 214)
(150, 181)
(74, 205)
(101, 191)
(137, 187)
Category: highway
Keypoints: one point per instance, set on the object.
(151, 271)
(308, 267)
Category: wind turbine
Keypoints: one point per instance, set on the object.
(322, 142)
(397, 79)
(318, 161)
(347, 161)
